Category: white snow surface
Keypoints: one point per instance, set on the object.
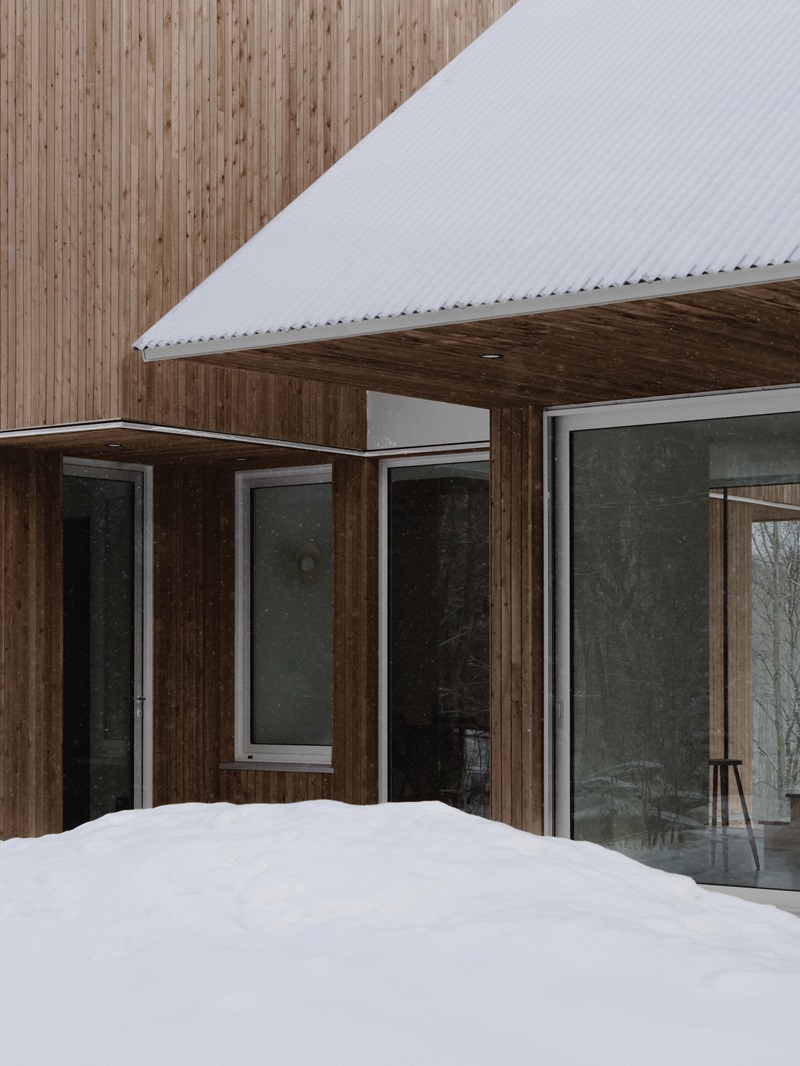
(395, 934)
(575, 146)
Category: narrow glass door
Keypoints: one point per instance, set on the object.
(438, 634)
(102, 686)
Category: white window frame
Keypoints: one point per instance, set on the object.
(559, 425)
(302, 757)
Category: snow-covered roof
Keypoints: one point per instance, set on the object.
(577, 147)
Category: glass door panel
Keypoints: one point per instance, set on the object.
(102, 746)
(776, 665)
(439, 634)
(684, 646)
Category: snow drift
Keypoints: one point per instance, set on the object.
(396, 934)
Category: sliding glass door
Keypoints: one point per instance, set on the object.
(678, 646)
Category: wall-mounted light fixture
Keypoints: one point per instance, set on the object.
(307, 562)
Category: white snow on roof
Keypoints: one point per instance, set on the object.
(576, 145)
(375, 936)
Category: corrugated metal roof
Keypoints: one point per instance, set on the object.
(577, 145)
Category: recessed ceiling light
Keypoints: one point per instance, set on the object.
(491, 355)
(113, 446)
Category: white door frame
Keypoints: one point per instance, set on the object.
(142, 478)
(559, 424)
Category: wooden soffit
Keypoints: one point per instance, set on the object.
(733, 338)
(147, 445)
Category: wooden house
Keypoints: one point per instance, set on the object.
(474, 475)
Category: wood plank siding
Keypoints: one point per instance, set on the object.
(355, 634)
(517, 659)
(141, 143)
(30, 644)
(193, 638)
(194, 642)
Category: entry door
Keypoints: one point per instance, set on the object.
(436, 724)
(103, 640)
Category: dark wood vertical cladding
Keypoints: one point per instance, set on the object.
(194, 585)
(517, 617)
(355, 753)
(30, 643)
(193, 513)
(251, 403)
(355, 714)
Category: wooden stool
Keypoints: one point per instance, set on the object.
(720, 791)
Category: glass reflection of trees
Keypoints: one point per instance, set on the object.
(776, 665)
(640, 637)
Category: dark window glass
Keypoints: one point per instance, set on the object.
(291, 614)
(685, 648)
(439, 634)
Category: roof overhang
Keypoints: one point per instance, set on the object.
(463, 315)
(396, 425)
(741, 337)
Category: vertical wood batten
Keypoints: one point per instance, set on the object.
(142, 143)
(517, 624)
(193, 629)
(194, 642)
(31, 647)
(355, 756)
(355, 622)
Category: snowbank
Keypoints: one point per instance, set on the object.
(398, 934)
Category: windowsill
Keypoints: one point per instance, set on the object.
(281, 767)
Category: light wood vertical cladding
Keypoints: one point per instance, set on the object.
(30, 644)
(516, 617)
(141, 143)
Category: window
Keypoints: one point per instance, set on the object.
(285, 617)
(678, 635)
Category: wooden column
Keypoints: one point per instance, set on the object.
(517, 639)
(193, 629)
(355, 631)
(30, 643)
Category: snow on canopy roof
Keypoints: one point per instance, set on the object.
(576, 146)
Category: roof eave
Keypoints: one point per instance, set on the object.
(476, 313)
